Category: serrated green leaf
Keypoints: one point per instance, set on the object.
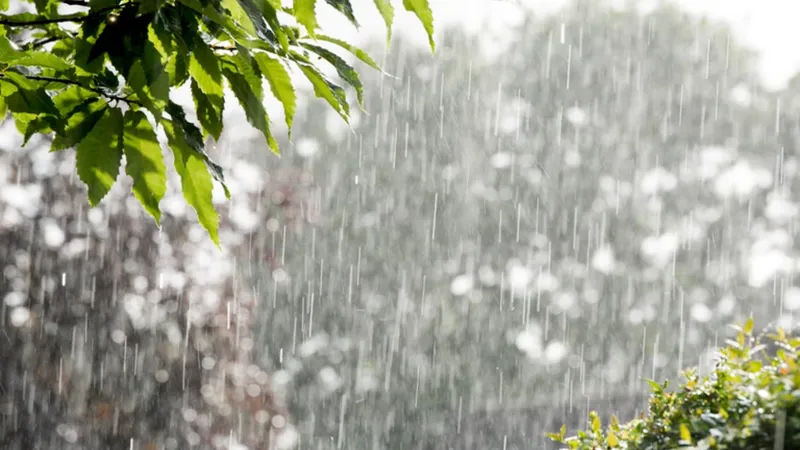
(306, 14)
(327, 91)
(252, 104)
(248, 68)
(144, 162)
(196, 181)
(345, 71)
(137, 80)
(281, 85)
(41, 59)
(357, 52)
(209, 110)
(386, 10)
(204, 68)
(422, 10)
(239, 16)
(83, 109)
(33, 101)
(99, 155)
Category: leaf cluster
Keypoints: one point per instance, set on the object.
(749, 402)
(99, 80)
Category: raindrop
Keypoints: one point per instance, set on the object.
(20, 316)
(461, 285)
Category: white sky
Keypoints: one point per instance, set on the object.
(770, 26)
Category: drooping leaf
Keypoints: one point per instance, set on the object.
(41, 59)
(7, 52)
(422, 10)
(99, 155)
(196, 181)
(204, 68)
(344, 7)
(386, 10)
(306, 14)
(252, 104)
(144, 162)
(34, 101)
(209, 110)
(345, 71)
(281, 85)
(357, 52)
(327, 91)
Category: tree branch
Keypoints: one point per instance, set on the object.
(80, 17)
(75, 83)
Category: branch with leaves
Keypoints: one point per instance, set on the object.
(104, 88)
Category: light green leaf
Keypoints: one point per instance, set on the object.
(4, 4)
(204, 68)
(306, 14)
(345, 71)
(252, 104)
(360, 54)
(7, 52)
(281, 85)
(196, 182)
(327, 91)
(387, 12)
(35, 101)
(99, 155)
(41, 59)
(144, 162)
(423, 11)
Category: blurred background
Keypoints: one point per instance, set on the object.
(564, 200)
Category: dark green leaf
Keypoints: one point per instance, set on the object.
(209, 110)
(34, 101)
(196, 181)
(344, 7)
(96, 5)
(345, 71)
(144, 162)
(281, 84)
(82, 109)
(99, 155)
(252, 104)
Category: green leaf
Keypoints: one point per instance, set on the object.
(41, 59)
(281, 85)
(204, 68)
(209, 110)
(83, 109)
(686, 436)
(360, 54)
(7, 52)
(196, 181)
(423, 11)
(345, 71)
(387, 12)
(252, 104)
(4, 4)
(99, 155)
(306, 14)
(34, 101)
(95, 5)
(327, 91)
(144, 162)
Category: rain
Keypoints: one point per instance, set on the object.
(566, 199)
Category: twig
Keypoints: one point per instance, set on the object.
(75, 83)
(78, 17)
(39, 43)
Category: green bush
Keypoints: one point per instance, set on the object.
(751, 401)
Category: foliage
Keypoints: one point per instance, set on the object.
(100, 78)
(747, 403)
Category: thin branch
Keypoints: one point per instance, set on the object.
(36, 44)
(78, 17)
(75, 83)
(75, 2)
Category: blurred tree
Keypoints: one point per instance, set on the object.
(576, 213)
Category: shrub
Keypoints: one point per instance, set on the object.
(750, 401)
